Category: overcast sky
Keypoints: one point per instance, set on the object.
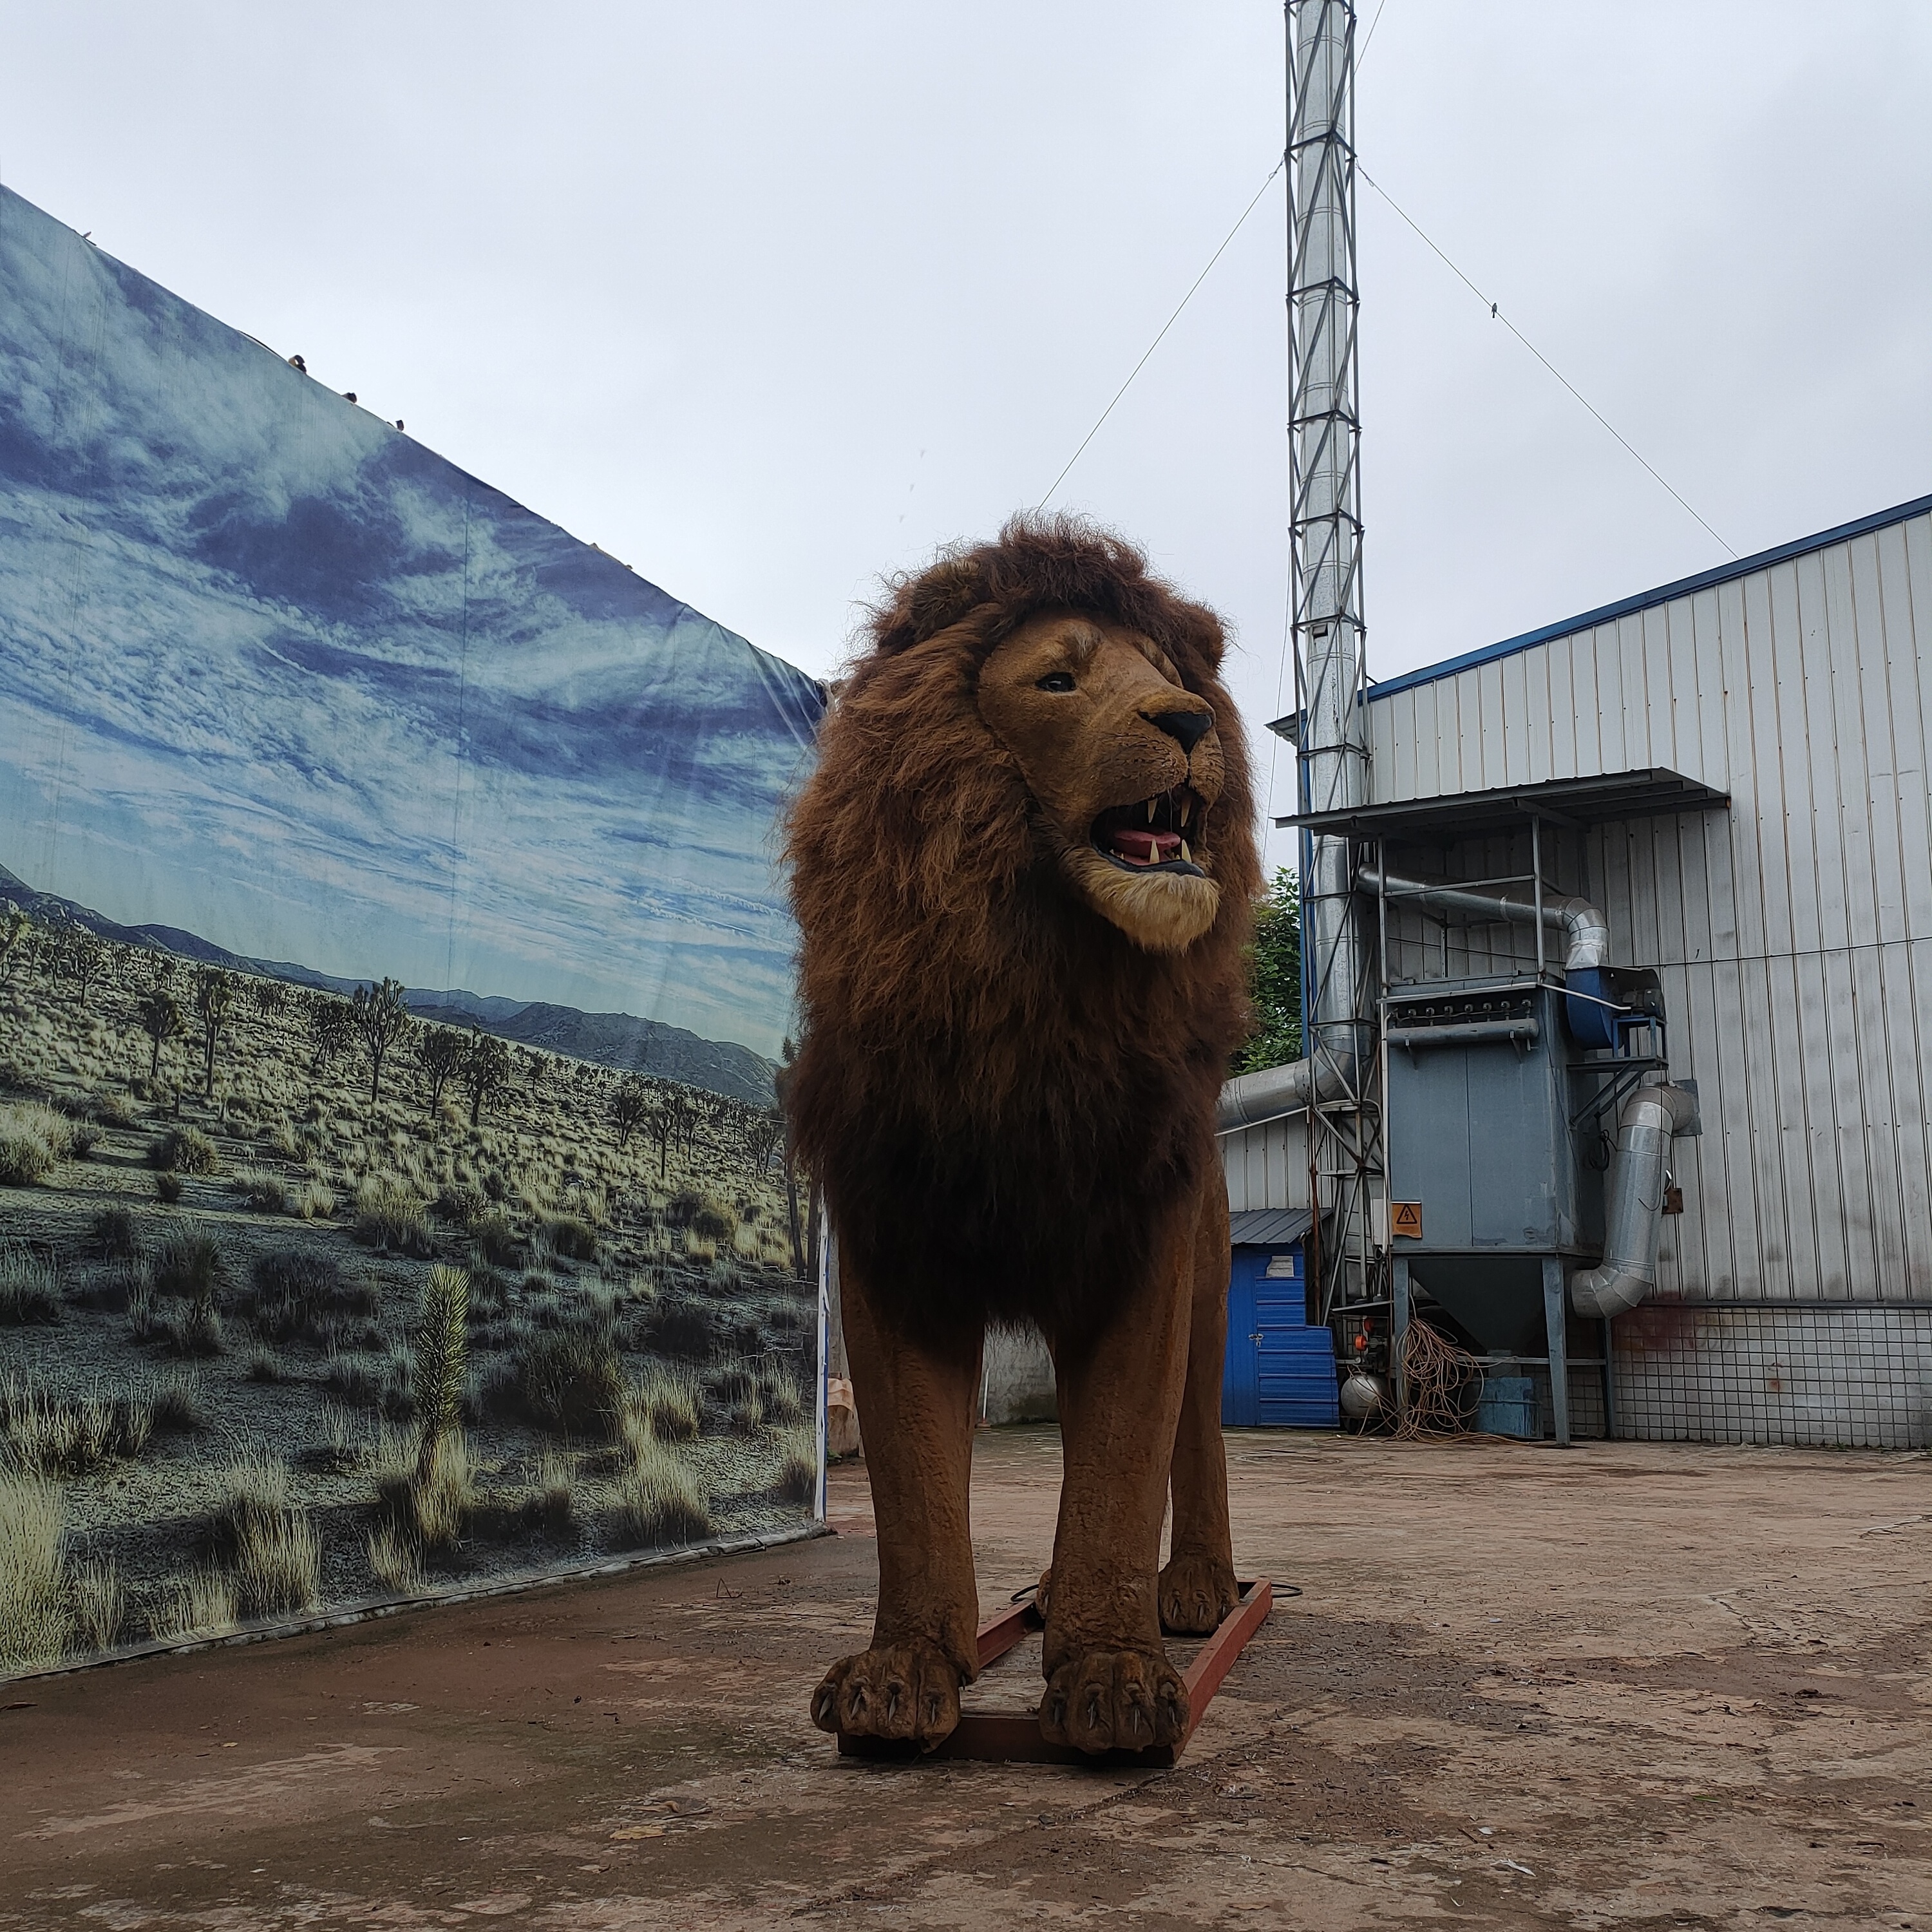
(769, 299)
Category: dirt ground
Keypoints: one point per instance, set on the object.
(1627, 1685)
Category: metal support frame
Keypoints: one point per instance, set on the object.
(1555, 1321)
(1536, 872)
(1617, 1079)
(1399, 1315)
(1325, 534)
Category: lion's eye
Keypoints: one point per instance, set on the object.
(1057, 680)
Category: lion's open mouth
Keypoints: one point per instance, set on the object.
(1156, 835)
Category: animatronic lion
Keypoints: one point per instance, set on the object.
(1023, 870)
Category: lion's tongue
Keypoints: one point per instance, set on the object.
(1146, 848)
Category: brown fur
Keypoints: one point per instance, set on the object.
(982, 1050)
(1006, 1085)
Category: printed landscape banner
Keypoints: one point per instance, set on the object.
(396, 969)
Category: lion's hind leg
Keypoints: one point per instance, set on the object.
(915, 1406)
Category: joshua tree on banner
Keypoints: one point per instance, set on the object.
(629, 1107)
(763, 1129)
(161, 1020)
(16, 929)
(82, 959)
(213, 995)
(270, 997)
(381, 1018)
(673, 1123)
(440, 1056)
(799, 1234)
(331, 1026)
(440, 1346)
(486, 1071)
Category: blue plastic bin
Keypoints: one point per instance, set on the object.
(1507, 1406)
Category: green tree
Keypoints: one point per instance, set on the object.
(214, 996)
(440, 1057)
(161, 1020)
(381, 1018)
(486, 1071)
(1274, 977)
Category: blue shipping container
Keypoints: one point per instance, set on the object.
(1279, 1373)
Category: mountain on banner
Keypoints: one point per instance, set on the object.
(619, 1040)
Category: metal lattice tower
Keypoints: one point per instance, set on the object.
(1325, 530)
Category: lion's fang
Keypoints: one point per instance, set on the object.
(1150, 811)
(1186, 856)
(1187, 808)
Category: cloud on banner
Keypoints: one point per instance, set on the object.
(276, 675)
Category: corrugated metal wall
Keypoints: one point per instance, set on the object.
(1266, 1166)
(1794, 932)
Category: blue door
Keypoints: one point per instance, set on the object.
(1241, 1389)
(1279, 1373)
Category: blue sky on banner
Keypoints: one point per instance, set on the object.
(275, 673)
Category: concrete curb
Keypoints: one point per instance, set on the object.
(370, 1609)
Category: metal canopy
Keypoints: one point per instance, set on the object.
(1464, 814)
(1268, 1227)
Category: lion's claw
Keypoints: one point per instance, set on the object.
(904, 1691)
(1114, 1700)
(1195, 1593)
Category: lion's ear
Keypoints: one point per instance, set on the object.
(934, 600)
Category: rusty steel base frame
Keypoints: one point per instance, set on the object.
(1005, 1737)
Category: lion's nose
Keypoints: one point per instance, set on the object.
(1187, 728)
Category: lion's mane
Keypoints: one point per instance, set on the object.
(1002, 1095)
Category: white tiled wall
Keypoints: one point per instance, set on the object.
(1858, 1377)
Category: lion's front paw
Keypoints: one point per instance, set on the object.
(1195, 1593)
(1114, 1700)
(905, 1690)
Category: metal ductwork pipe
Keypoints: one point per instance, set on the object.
(1586, 932)
(1251, 1099)
(1633, 1210)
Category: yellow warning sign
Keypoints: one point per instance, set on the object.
(1405, 1219)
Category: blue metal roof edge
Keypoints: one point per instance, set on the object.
(1646, 600)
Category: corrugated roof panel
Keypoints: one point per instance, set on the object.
(1269, 1227)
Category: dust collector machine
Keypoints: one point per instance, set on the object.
(1528, 1123)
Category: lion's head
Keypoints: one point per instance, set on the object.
(1041, 700)
(1123, 767)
